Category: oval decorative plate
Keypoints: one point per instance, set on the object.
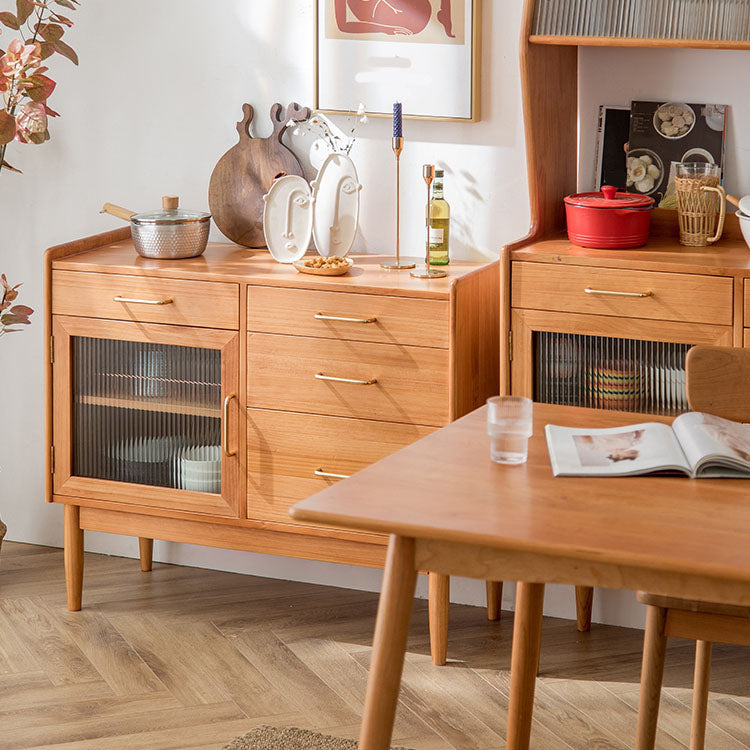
(336, 206)
(330, 271)
(288, 218)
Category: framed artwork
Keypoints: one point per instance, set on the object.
(423, 53)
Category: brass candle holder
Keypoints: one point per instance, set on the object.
(398, 147)
(428, 172)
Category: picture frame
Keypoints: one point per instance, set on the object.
(430, 62)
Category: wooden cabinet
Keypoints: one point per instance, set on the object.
(196, 400)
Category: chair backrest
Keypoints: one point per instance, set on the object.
(718, 381)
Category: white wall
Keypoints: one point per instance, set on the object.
(150, 110)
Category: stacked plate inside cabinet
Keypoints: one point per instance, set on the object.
(288, 218)
(200, 469)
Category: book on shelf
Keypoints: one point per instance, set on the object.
(663, 134)
(612, 136)
(697, 444)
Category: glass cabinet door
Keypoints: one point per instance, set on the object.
(146, 414)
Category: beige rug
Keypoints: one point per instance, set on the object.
(272, 738)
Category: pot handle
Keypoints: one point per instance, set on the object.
(118, 211)
(722, 211)
(609, 191)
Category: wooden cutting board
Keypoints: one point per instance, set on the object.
(245, 173)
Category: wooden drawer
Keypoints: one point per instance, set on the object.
(284, 450)
(193, 303)
(670, 296)
(392, 320)
(746, 305)
(412, 382)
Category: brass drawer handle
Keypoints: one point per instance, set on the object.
(225, 432)
(167, 301)
(321, 473)
(320, 376)
(618, 294)
(344, 318)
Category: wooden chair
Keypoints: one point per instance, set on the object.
(718, 382)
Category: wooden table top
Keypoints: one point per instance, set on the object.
(445, 487)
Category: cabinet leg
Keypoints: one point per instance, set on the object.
(524, 663)
(584, 603)
(440, 599)
(146, 548)
(389, 646)
(494, 599)
(73, 557)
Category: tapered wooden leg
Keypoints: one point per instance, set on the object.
(584, 602)
(527, 639)
(389, 645)
(73, 557)
(700, 694)
(494, 599)
(652, 672)
(440, 602)
(146, 548)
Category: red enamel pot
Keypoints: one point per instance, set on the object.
(608, 220)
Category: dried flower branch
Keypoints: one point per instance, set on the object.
(11, 315)
(24, 87)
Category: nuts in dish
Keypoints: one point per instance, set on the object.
(674, 120)
(333, 261)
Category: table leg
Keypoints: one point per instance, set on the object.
(389, 645)
(652, 672)
(439, 606)
(527, 639)
(494, 599)
(584, 604)
(73, 556)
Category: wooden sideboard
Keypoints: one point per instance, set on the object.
(297, 380)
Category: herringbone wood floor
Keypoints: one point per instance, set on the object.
(187, 658)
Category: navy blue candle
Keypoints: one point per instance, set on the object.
(397, 126)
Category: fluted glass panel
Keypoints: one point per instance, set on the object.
(718, 20)
(147, 413)
(610, 373)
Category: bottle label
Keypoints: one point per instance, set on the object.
(436, 235)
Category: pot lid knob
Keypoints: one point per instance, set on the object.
(609, 192)
(170, 202)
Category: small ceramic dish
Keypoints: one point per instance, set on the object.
(335, 271)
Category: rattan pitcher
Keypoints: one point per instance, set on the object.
(698, 189)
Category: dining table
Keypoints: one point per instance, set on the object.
(449, 509)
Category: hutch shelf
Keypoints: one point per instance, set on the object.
(606, 328)
(197, 400)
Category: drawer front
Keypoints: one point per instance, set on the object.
(191, 303)
(642, 294)
(746, 305)
(284, 450)
(355, 317)
(411, 384)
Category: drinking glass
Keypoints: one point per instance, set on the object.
(699, 198)
(509, 428)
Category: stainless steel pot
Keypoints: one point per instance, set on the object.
(169, 233)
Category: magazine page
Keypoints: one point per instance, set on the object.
(706, 438)
(615, 451)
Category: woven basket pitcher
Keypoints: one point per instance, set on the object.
(697, 209)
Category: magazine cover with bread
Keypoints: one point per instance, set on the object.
(663, 134)
(696, 444)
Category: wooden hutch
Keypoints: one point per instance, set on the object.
(567, 313)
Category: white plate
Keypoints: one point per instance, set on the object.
(336, 206)
(288, 218)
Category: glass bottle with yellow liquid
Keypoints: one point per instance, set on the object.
(438, 221)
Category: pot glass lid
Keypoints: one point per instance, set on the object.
(610, 198)
(170, 213)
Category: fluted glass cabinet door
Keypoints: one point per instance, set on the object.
(149, 414)
(606, 362)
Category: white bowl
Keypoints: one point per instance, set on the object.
(744, 226)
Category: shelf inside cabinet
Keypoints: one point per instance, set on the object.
(607, 41)
(168, 407)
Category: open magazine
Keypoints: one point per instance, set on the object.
(696, 444)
